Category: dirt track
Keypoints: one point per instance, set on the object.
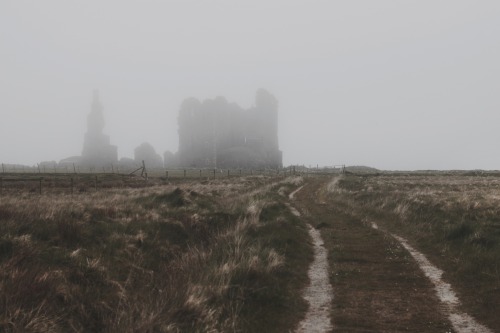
(378, 285)
(319, 293)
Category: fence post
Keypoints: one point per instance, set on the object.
(214, 174)
(143, 168)
(166, 175)
(40, 186)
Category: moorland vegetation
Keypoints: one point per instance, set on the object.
(211, 256)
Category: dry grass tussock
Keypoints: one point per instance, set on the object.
(172, 258)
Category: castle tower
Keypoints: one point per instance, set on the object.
(266, 112)
(97, 150)
(95, 119)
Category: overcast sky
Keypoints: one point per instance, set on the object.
(388, 84)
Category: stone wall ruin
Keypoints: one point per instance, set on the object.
(218, 134)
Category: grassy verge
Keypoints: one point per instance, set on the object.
(218, 256)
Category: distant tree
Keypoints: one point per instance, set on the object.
(145, 152)
(170, 159)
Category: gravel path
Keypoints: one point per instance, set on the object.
(319, 293)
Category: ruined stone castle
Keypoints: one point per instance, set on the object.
(218, 134)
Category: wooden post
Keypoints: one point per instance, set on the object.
(166, 175)
(143, 168)
(200, 174)
(74, 168)
(40, 186)
(240, 172)
(214, 174)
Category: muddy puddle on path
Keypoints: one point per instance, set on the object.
(319, 293)
(461, 322)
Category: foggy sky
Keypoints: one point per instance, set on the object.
(388, 84)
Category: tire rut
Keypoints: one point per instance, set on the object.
(319, 293)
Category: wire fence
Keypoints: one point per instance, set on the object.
(73, 180)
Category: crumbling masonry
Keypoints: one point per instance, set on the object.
(218, 134)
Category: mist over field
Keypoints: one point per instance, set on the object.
(387, 84)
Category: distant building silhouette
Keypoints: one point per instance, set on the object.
(145, 152)
(97, 150)
(219, 134)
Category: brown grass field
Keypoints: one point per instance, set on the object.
(227, 255)
(170, 257)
